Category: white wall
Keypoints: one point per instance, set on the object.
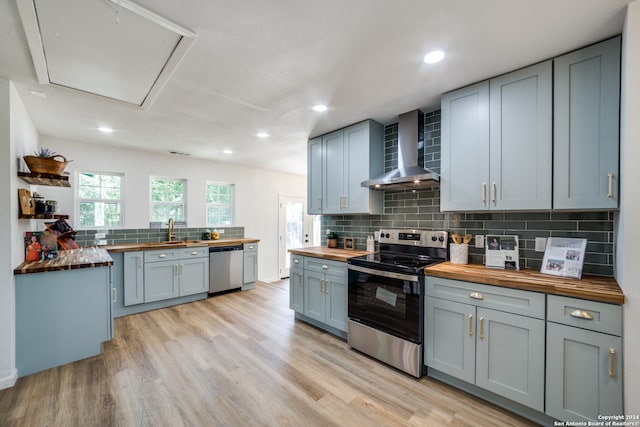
(18, 137)
(256, 190)
(628, 223)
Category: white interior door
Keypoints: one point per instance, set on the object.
(294, 229)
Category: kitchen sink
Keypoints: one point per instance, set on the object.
(166, 242)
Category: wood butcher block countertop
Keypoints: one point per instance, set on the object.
(323, 252)
(87, 257)
(596, 288)
(130, 247)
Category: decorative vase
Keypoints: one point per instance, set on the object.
(51, 165)
(332, 243)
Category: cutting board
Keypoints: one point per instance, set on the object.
(26, 204)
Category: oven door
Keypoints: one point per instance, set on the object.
(387, 301)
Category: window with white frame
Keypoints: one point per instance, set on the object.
(168, 199)
(220, 204)
(100, 199)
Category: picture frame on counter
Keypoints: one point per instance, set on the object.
(349, 243)
(564, 257)
(502, 252)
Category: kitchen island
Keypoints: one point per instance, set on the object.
(63, 309)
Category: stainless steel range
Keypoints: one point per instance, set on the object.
(386, 296)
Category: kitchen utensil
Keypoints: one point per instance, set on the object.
(457, 239)
(466, 239)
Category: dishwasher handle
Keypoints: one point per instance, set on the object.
(226, 248)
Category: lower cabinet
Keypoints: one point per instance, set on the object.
(250, 269)
(488, 336)
(584, 359)
(318, 290)
(162, 274)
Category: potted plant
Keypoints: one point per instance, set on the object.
(46, 161)
(332, 239)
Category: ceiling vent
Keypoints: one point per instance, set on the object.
(112, 48)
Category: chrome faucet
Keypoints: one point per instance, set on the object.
(170, 234)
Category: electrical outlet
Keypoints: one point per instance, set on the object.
(376, 236)
(101, 242)
(479, 241)
(541, 244)
(100, 235)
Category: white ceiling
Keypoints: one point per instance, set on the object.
(259, 66)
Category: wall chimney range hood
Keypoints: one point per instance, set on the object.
(408, 175)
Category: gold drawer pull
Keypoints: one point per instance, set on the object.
(581, 314)
(470, 319)
(295, 261)
(612, 363)
(162, 256)
(481, 328)
(325, 267)
(194, 253)
(476, 295)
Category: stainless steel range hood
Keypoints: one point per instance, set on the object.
(408, 174)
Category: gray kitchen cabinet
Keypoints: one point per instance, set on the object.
(464, 159)
(314, 176)
(487, 336)
(296, 283)
(338, 162)
(494, 133)
(175, 273)
(133, 278)
(584, 359)
(250, 266)
(325, 292)
(586, 128)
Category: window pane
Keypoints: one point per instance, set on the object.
(99, 199)
(87, 214)
(88, 192)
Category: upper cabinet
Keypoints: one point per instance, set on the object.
(338, 162)
(496, 143)
(586, 129)
(543, 137)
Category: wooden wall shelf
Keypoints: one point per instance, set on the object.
(45, 179)
(43, 216)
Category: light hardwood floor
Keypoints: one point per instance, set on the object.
(238, 359)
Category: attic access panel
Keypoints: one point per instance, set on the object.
(111, 48)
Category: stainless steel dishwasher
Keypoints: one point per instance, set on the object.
(226, 265)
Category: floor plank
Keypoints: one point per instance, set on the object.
(238, 359)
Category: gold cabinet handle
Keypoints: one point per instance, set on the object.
(319, 203)
(296, 261)
(476, 295)
(194, 253)
(481, 328)
(300, 280)
(484, 192)
(250, 246)
(470, 320)
(612, 363)
(581, 314)
(494, 190)
(162, 256)
(140, 261)
(610, 192)
(325, 267)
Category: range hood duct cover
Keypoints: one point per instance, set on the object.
(408, 174)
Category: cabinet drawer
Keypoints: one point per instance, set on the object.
(161, 255)
(591, 315)
(325, 266)
(509, 300)
(250, 247)
(197, 252)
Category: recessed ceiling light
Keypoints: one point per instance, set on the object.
(262, 135)
(433, 57)
(227, 151)
(319, 107)
(105, 129)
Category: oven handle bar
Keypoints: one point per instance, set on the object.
(391, 274)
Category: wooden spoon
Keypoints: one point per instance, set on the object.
(456, 238)
(466, 239)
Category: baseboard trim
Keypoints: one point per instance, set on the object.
(9, 380)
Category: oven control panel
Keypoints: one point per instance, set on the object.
(425, 238)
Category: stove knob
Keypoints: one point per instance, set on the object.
(434, 238)
(441, 239)
(387, 235)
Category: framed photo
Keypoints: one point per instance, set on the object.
(349, 243)
(564, 257)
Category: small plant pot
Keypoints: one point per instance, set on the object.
(332, 243)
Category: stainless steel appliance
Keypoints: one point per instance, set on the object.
(386, 297)
(226, 264)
